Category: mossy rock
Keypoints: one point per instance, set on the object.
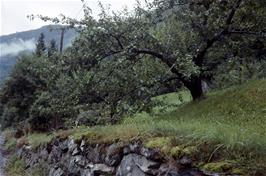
(238, 171)
(176, 152)
(190, 151)
(222, 166)
(159, 142)
(83, 135)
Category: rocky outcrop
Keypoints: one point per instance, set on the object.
(76, 158)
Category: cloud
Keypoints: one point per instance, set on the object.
(16, 46)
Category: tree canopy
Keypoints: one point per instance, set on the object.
(123, 59)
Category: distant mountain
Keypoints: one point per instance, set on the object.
(13, 44)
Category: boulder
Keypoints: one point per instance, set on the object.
(99, 169)
(95, 154)
(152, 154)
(114, 155)
(55, 155)
(76, 164)
(64, 146)
(56, 171)
(136, 165)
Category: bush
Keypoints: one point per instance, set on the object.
(29, 76)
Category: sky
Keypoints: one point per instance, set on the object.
(14, 12)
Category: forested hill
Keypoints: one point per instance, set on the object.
(13, 44)
(50, 32)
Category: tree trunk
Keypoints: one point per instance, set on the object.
(195, 87)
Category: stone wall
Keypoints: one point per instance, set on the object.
(70, 158)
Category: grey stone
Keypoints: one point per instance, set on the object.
(172, 173)
(56, 172)
(93, 154)
(114, 155)
(185, 161)
(71, 145)
(43, 154)
(76, 151)
(64, 146)
(82, 145)
(136, 165)
(86, 172)
(135, 147)
(152, 154)
(102, 169)
(55, 155)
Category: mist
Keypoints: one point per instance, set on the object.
(16, 46)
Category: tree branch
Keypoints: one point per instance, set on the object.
(198, 58)
(167, 59)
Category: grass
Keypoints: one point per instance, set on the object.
(15, 166)
(37, 139)
(232, 122)
(228, 125)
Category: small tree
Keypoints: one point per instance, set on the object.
(52, 48)
(40, 45)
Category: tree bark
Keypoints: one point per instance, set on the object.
(195, 87)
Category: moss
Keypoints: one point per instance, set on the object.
(83, 135)
(37, 139)
(238, 171)
(190, 151)
(16, 166)
(222, 166)
(159, 142)
(10, 144)
(176, 152)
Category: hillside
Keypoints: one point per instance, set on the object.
(223, 133)
(13, 44)
(50, 32)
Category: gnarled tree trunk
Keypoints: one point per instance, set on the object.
(195, 87)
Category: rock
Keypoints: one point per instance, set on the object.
(56, 172)
(55, 155)
(68, 158)
(82, 145)
(33, 160)
(80, 161)
(76, 164)
(99, 169)
(192, 172)
(64, 146)
(114, 155)
(136, 165)
(135, 147)
(43, 154)
(126, 150)
(152, 154)
(71, 145)
(95, 154)
(76, 151)
(73, 167)
(185, 161)
(86, 172)
(172, 173)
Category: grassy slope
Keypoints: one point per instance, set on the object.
(231, 122)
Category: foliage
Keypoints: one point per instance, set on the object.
(16, 166)
(40, 45)
(19, 92)
(52, 48)
(120, 61)
(227, 126)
